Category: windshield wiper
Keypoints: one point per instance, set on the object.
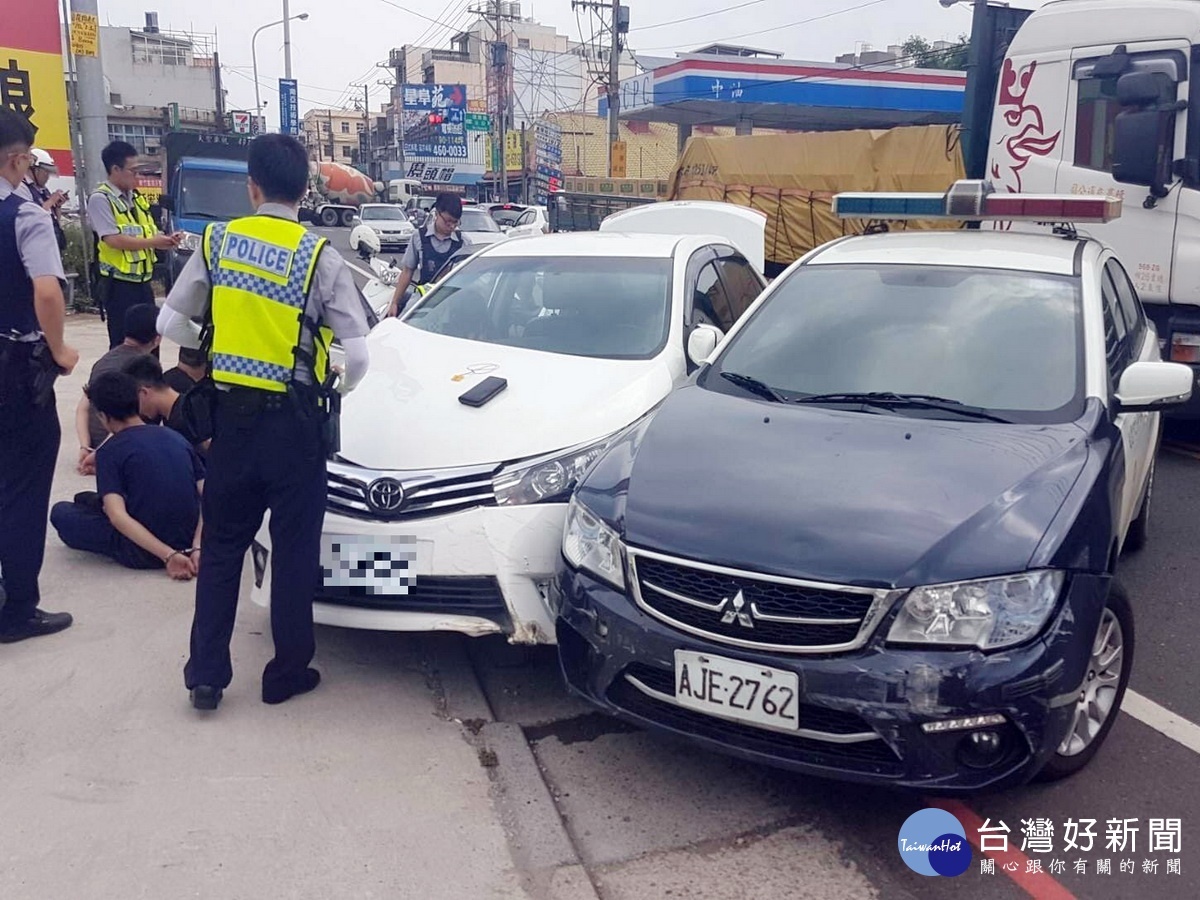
(754, 386)
(891, 400)
(189, 214)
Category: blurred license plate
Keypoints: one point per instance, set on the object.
(736, 690)
(371, 565)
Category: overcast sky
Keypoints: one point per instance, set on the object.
(343, 39)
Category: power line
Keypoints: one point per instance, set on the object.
(715, 12)
(734, 37)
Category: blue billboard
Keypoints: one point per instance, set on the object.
(289, 106)
(433, 121)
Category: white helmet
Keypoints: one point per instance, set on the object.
(364, 239)
(43, 160)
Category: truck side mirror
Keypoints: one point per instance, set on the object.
(1141, 154)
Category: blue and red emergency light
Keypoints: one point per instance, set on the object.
(976, 201)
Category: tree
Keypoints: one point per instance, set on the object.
(923, 54)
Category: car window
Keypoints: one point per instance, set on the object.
(1135, 316)
(477, 220)
(1115, 330)
(742, 286)
(610, 307)
(506, 216)
(1006, 341)
(526, 218)
(710, 303)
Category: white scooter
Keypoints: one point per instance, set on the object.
(378, 290)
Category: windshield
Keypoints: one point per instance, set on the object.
(610, 307)
(388, 213)
(1004, 341)
(220, 196)
(477, 220)
(507, 216)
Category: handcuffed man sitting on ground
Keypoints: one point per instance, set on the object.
(159, 403)
(149, 481)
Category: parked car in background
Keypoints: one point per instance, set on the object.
(389, 223)
(532, 221)
(876, 538)
(505, 214)
(418, 209)
(448, 516)
(478, 227)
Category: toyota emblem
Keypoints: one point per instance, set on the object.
(386, 495)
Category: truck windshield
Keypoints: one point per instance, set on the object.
(1008, 342)
(608, 307)
(219, 196)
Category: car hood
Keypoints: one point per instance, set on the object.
(406, 415)
(846, 497)
(483, 238)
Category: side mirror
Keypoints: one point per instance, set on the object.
(1151, 386)
(702, 342)
(167, 202)
(1142, 154)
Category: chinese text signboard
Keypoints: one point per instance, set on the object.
(85, 34)
(547, 160)
(31, 76)
(289, 106)
(433, 121)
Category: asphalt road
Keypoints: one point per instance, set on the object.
(651, 817)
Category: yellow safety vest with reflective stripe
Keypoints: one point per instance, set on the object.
(133, 219)
(261, 269)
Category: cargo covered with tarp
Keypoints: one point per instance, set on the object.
(792, 178)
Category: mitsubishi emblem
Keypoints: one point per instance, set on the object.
(735, 608)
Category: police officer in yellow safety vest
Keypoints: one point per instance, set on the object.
(273, 295)
(127, 238)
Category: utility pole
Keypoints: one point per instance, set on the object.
(615, 19)
(287, 41)
(498, 65)
(93, 106)
(220, 106)
(365, 143)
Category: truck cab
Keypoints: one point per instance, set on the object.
(400, 190)
(1094, 98)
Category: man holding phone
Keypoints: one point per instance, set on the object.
(34, 188)
(127, 238)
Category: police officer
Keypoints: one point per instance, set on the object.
(31, 350)
(439, 240)
(127, 238)
(274, 294)
(34, 188)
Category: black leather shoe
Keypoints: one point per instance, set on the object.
(38, 624)
(278, 691)
(205, 696)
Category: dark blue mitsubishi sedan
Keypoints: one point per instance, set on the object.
(875, 537)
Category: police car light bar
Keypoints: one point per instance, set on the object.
(976, 201)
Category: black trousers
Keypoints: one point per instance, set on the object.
(261, 459)
(118, 296)
(29, 438)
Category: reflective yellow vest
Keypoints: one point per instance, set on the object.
(261, 269)
(133, 219)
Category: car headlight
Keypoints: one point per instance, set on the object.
(190, 243)
(988, 614)
(591, 545)
(547, 478)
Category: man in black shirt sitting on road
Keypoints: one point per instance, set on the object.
(159, 402)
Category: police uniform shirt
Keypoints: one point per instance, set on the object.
(35, 237)
(332, 297)
(25, 189)
(100, 211)
(412, 256)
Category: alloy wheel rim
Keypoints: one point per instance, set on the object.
(1098, 693)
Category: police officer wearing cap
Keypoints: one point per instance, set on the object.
(32, 352)
(126, 238)
(273, 295)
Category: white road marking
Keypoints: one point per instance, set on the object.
(359, 269)
(1162, 720)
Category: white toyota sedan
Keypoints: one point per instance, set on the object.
(493, 395)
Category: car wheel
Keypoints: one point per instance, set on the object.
(329, 217)
(1099, 697)
(1139, 528)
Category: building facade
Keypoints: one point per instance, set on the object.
(332, 135)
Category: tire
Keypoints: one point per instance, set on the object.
(329, 218)
(1139, 528)
(347, 218)
(1084, 739)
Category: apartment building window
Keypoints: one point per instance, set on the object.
(522, 43)
(135, 134)
(345, 127)
(346, 154)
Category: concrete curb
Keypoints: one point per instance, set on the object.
(541, 847)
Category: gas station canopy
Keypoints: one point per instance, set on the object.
(727, 89)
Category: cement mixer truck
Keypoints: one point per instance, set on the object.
(335, 193)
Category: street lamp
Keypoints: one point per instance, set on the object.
(254, 58)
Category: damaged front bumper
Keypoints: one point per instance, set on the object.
(485, 570)
(862, 712)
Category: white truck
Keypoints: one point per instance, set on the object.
(1095, 98)
(399, 190)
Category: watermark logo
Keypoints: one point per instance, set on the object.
(933, 842)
